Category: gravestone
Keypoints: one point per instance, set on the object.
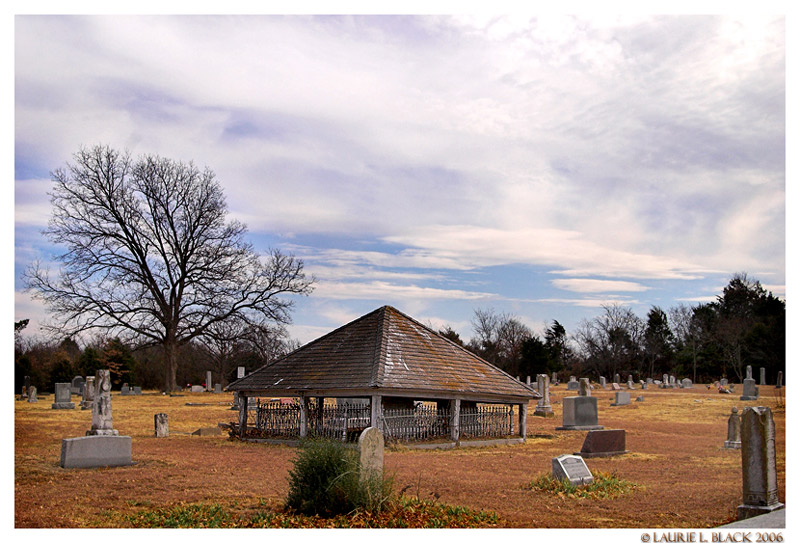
(723, 382)
(622, 398)
(32, 395)
(161, 422)
(197, 388)
(579, 413)
(572, 384)
(649, 381)
(76, 386)
(600, 443)
(543, 407)
(208, 381)
(573, 468)
(370, 453)
(643, 385)
(217, 388)
(763, 375)
(528, 380)
(88, 393)
(137, 391)
(102, 420)
(583, 387)
(630, 385)
(96, 451)
(615, 386)
(639, 398)
(672, 381)
(759, 472)
(62, 397)
(686, 383)
(734, 440)
(125, 390)
(603, 382)
(616, 378)
(780, 380)
(240, 372)
(665, 382)
(749, 389)
(554, 379)
(235, 406)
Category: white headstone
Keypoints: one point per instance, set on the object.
(370, 448)
(573, 468)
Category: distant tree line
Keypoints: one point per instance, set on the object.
(48, 361)
(746, 325)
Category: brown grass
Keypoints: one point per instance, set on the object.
(683, 475)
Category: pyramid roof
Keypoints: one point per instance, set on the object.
(387, 353)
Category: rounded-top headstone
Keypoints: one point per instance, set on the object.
(370, 447)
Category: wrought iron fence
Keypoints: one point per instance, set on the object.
(487, 421)
(344, 422)
(417, 424)
(277, 420)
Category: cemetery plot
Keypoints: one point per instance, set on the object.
(684, 476)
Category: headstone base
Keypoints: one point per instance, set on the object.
(748, 398)
(595, 427)
(544, 412)
(96, 452)
(749, 511)
(63, 405)
(732, 445)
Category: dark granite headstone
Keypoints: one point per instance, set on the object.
(603, 443)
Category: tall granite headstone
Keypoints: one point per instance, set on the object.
(763, 375)
(102, 420)
(759, 472)
(88, 393)
(734, 440)
(780, 380)
(543, 407)
(208, 382)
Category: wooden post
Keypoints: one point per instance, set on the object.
(243, 401)
(375, 412)
(303, 417)
(455, 419)
(523, 421)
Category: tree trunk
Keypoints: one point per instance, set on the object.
(170, 365)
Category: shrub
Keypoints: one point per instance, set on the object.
(605, 485)
(325, 481)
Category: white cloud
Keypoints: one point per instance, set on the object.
(598, 285)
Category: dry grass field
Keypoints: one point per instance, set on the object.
(684, 478)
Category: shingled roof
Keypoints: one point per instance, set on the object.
(384, 352)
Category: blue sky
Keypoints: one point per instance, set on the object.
(538, 165)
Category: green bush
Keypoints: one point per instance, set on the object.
(325, 481)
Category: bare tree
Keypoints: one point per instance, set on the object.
(611, 342)
(151, 255)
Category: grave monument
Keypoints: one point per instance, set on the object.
(749, 388)
(734, 440)
(62, 397)
(759, 472)
(580, 412)
(543, 407)
(572, 468)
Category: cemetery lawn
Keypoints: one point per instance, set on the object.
(677, 475)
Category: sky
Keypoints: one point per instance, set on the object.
(539, 166)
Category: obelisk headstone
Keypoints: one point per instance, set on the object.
(543, 407)
(763, 375)
(209, 387)
(759, 472)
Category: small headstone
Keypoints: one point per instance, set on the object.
(96, 452)
(62, 396)
(780, 380)
(217, 388)
(197, 388)
(32, 395)
(759, 472)
(161, 421)
(686, 383)
(126, 390)
(616, 378)
(723, 382)
(76, 386)
(370, 449)
(622, 398)
(763, 375)
(639, 398)
(734, 440)
(208, 381)
(210, 431)
(650, 381)
(630, 385)
(572, 384)
(240, 372)
(543, 407)
(643, 385)
(672, 381)
(749, 389)
(603, 382)
(615, 386)
(572, 468)
(137, 391)
(102, 420)
(583, 387)
(603, 443)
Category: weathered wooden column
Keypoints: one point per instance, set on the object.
(243, 404)
(375, 412)
(303, 417)
(523, 420)
(455, 419)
